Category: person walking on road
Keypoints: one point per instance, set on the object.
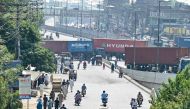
(52, 95)
(56, 103)
(39, 105)
(67, 83)
(60, 96)
(45, 100)
(50, 103)
(71, 83)
(41, 89)
(104, 65)
(39, 99)
(63, 107)
(120, 73)
(112, 68)
(133, 103)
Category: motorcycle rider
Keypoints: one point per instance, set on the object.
(78, 98)
(83, 89)
(133, 103)
(139, 99)
(84, 64)
(104, 98)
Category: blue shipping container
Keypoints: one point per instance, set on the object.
(182, 42)
(79, 46)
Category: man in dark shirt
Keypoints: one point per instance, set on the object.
(56, 103)
(45, 99)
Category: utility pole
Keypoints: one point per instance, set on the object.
(98, 20)
(66, 22)
(78, 16)
(134, 45)
(81, 19)
(18, 35)
(90, 18)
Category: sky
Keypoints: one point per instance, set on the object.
(96, 1)
(186, 1)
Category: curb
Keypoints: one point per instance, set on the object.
(148, 91)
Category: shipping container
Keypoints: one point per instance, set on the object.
(154, 55)
(56, 46)
(182, 42)
(80, 46)
(111, 45)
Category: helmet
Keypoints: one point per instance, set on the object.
(104, 91)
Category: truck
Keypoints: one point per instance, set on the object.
(157, 58)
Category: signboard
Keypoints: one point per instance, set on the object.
(80, 46)
(25, 86)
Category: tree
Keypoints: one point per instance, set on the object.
(39, 57)
(30, 35)
(175, 94)
(3, 93)
(7, 77)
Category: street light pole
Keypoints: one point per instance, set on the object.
(134, 45)
(81, 19)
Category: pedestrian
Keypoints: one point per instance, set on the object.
(112, 68)
(133, 103)
(115, 63)
(104, 65)
(50, 103)
(67, 83)
(41, 89)
(71, 83)
(39, 99)
(45, 100)
(39, 105)
(64, 82)
(40, 81)
(60, 96)
(61, 68)
(65, 91)
(63, 107)
(52, 95)
(43, 78)
(56, 103)
(78, 66)
(46, 80)
(120, 73)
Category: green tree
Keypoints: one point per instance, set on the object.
(7, 77)
(175, 94)
(39, 57)
(3, 93)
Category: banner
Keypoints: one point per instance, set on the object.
(25, 86)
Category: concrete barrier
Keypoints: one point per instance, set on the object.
(108, 64)
(147, 79)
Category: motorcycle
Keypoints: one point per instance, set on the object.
(84, 66)
(104, 101)
(77, 102)
(83, 93)
(139, 101)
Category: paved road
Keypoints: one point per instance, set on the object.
(120, 90)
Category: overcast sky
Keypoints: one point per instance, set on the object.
(96, 1)
(186, 1)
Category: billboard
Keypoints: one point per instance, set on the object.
(25, 86)
(79, 46)
(112, 45)
(182, 42)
